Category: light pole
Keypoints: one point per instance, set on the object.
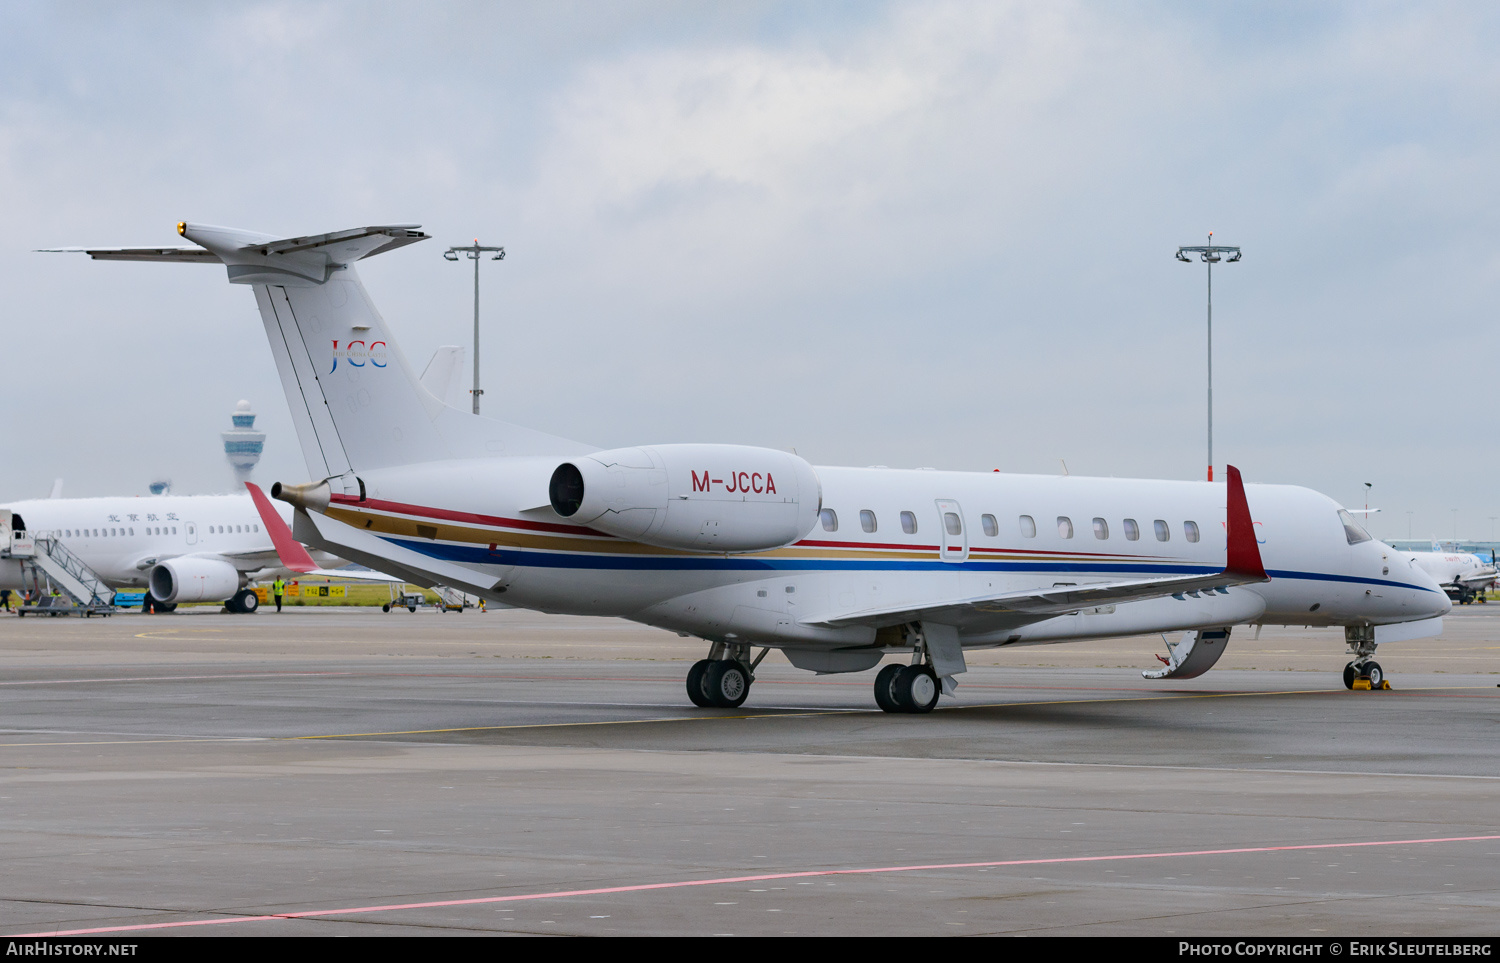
(1210, 254)
(472, 252)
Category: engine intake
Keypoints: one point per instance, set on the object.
(699, 498)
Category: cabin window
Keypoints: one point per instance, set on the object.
(132, 531)
(1354, 532)
(867, 520)
(829, 519)
(67, 533)
(1028, 526)
(991, 528)
(1101, 528)
(1132, 530)
(1163, 533)
(1190, 530)
(952, 524)
(909, 523)
(256, 527)
(1064, 527)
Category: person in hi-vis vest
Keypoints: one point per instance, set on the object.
(278, 589)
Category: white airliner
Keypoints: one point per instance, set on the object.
(1464, 576)
(750, 547)
(182, 548)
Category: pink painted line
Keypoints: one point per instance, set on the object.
(760, 878)
(179, 678)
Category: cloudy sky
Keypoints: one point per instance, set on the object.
(931, 234)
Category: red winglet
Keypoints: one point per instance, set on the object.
(1244, 554)
(292, 554)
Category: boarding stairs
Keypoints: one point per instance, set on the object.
(452, 600)
(44, 558)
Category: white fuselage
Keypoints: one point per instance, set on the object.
(120, 538)
(1458, 569)
(475, 514)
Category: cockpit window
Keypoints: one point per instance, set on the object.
(1353, 531)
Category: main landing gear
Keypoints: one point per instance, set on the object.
(243, 602)
(722, 681)
(907, 688)
(1364, 673)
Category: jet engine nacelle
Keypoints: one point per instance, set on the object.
(193, 580)
(701, 498)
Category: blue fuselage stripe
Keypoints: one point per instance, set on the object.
(478, 555)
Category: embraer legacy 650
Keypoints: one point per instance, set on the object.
(752, 548)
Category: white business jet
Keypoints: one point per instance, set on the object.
(755, 548)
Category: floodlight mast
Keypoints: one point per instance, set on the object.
(1210, 254)
(472, 252)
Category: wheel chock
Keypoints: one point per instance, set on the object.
(1361, 685)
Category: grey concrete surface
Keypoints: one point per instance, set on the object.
(198, 767)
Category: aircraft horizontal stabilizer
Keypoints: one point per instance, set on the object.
(255, 258)
(1242, 566)
(190, 255)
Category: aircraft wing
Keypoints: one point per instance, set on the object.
(292, 555)
(1242, 566)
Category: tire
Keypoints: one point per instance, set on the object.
(885, 681)
(412, 609)
(695, 689)
(726, 684)
(246, 602)
(1349, 676)
(917, 689)
(386, 608)
(1375, 674)
(166, 607)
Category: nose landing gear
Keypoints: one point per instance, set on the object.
(1364, 673)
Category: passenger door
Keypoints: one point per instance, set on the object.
(955, 533)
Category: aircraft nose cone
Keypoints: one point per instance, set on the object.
(1434, 601)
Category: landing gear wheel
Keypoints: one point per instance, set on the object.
(1375, 674)
(1350, 674)
(726, 683)
(695, 683)
(916, 689)
(386, 607)
(166, 606)
(246, 601)
(885, 682)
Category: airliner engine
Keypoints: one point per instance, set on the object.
(701, 498)
(194, 580)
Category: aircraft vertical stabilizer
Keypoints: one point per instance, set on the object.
(355, 400)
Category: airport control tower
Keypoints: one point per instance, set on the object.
(243, 444)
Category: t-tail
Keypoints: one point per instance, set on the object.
(356, 402)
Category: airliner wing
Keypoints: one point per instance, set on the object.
(1242, 566)
(290, 551)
